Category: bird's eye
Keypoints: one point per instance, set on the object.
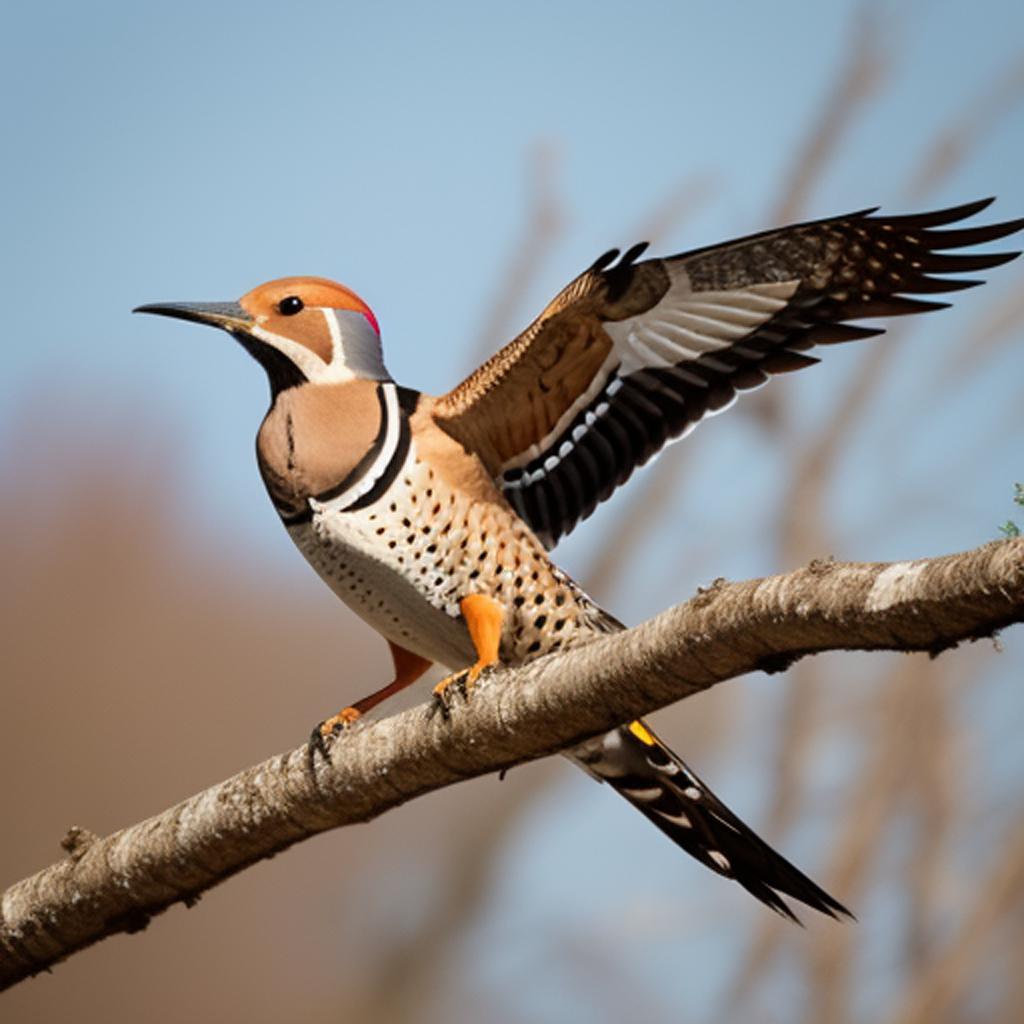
(290, 306)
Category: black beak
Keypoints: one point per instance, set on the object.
(229, 316)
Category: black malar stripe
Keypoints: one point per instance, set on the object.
(393, 468)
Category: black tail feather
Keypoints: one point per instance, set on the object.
(643, 770)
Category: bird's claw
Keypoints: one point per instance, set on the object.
(455, 685)
(324, 734)
(317, 745)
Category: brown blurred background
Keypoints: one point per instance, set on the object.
(153, 644)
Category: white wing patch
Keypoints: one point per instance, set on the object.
(686, 325)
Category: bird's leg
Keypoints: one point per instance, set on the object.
(484, 619)
(408, 668)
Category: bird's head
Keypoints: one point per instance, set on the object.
(299, 329)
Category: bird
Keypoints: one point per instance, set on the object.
(432, 517)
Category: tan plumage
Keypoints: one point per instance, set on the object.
(430, 516)
(312, 439)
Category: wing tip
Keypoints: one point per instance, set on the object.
(633, 253)
(934, 218)
(605, 260)
(958, 238)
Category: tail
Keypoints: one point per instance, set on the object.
(639, 767)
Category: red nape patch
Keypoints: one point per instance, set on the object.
(368, 313)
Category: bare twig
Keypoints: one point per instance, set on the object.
(676, 207)
(803, 536)
(859, 78)
(1003, 323)
(544, 223)
(933, 775)
(649, 496)
(422, 954)
(876, 798)
(935, 990)
(1013, 992)
(866, 811)
(963, 135)
(117, 883)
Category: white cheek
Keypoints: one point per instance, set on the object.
(308, 362)
(355, 349)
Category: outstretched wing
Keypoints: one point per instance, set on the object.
(632, 355)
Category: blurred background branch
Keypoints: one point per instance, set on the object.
(145, 577)
(117, 883)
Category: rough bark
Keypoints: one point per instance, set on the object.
(117, 883)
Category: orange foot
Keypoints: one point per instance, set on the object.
(408, 668)
(484, 617)
(337, 723)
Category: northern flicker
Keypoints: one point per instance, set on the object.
(432, 517)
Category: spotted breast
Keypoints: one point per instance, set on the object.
(402, 522)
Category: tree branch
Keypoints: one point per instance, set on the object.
(119, 882)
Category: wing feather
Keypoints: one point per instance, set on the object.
(632, 355)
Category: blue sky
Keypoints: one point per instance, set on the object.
(190, 151)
